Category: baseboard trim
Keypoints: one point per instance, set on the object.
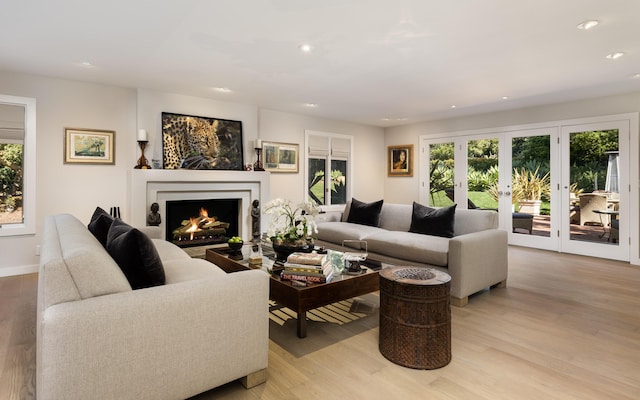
(21, 270)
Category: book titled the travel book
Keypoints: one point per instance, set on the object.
(307, 258)
(292, 276)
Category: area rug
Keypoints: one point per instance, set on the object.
(325, 325)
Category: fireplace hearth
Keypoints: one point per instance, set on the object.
(201, 222)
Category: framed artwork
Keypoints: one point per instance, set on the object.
(192, 142)
(89, 146)
(280, 157)
(400, 160)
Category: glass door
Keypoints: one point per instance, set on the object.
(595, 189)
(532, 168)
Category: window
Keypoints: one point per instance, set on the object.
(17, 165)
(328, 168)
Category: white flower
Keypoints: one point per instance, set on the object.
(290, 223)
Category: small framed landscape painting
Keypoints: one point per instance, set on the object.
(280, 157)
(89, 146)
(400, 160)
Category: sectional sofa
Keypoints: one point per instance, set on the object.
(97, 338)
(475, 255)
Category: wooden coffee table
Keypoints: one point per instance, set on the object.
(300, 299)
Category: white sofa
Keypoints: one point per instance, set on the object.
(475, 257)
(99, 339)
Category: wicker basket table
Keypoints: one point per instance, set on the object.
(415, 317)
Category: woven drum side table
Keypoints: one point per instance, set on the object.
(415, 317)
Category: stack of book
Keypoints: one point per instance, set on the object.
(307, 267)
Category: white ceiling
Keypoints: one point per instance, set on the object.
(406, 61)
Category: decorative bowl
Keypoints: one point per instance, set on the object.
(235, 246)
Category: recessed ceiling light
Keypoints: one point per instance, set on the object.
(453, 106)
(586, 25)
(311, 105)
(615, 56)
(505, 97)
(222, 89)
(305, 48)
(386, 119)
(87, 64)
(635, 76)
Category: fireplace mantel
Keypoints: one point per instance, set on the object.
(160, 185)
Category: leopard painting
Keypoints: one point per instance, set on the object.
(193, 143)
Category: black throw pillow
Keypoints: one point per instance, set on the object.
(99, 225)
(136, 255)
(365, 213)
(433, 221)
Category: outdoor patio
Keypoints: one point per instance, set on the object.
(587, 233)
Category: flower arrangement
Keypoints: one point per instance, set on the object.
(289, 224)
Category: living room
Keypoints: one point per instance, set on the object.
(78, 189)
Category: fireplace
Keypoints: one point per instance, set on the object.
(166, 186)
(201, 222)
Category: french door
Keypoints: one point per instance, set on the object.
(499, 171)
(595, 189)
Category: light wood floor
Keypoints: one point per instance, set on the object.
(566, 327)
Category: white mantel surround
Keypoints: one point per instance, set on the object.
(162, 185)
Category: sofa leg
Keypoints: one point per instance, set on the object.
(459, 302)
(254, 379)
(502, 284)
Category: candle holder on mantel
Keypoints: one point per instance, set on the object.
(257, 166)
(142, 161)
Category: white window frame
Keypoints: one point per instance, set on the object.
(28, 225)
(329, 157)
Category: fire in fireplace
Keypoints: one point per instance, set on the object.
(201, 222)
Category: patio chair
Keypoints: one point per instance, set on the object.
(588, 203)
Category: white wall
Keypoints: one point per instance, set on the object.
(151, 104)
(367, 186)
(73, 188)
(405, 190)
(78, 189)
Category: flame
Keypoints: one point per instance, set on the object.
(195, 221)
(193, 227)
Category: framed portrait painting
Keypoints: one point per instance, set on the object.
(400, 160)
(201, 142)
(89, 146)
(280, 157)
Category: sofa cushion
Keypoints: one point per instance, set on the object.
(136, 255)
(189, 270)
(433, 221)
(409, 246)
(99, 225)
(396, 217)
(74, 265)
(169, 251)
(336, 232)
(365, 213)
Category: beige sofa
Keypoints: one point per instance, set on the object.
(99, 339)
(475, 257)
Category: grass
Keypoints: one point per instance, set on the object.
(480, 199)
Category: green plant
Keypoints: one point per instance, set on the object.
(529, 185)
(10, 203)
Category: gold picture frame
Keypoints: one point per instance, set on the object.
(89, 146)
(280, 157)
(400, 160)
